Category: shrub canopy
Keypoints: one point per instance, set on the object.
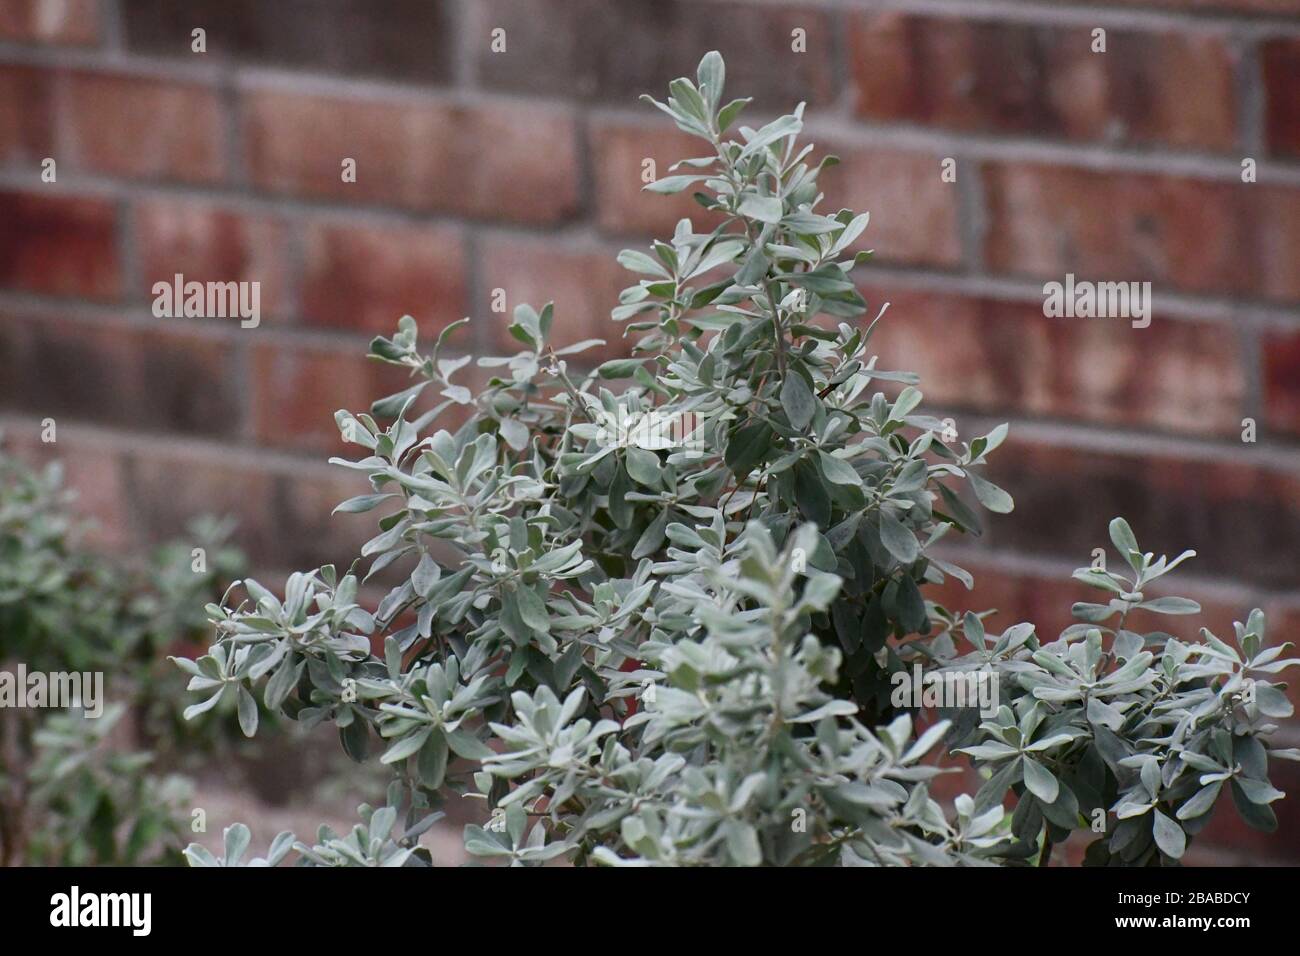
(651, 612)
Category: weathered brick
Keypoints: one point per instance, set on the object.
(174, 484)
(1280, 62)
(26, 116)
(63, 22)
(949, 786)
(205, 242)
(59, 244)
(492, 160)
(308, 533)
(997, 356)
(282, 512)
(367, 277)
(402, 39)
(1258, 7)
(1044, 80)
(139, 127)
(1281, 352)
(119, 373)
(914, 218)
(1191, 234)
(615, 50)
(1041, 600)
(1242, 517)
(913, 212)
(298, 386)
(619, 150)
(582, 280)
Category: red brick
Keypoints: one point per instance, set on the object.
(1191, 234)
(1260, 7)
(174, 484)
(488, 160)
(1007, 357)
(64, 22)
(26, 116)
(947, 787)
(367, 277)
(1040, 600)
(1282, 381)
(1241, 516)
(310, 534)
(913, 212)
(59, 245)
(205, 242)
(1280, 62)
(410, 40)
(145, 378)
(613, 52)
(1041, 80)
(582, 280)
(142, 128)
(297, 388)
(282, 513)
(619, 149)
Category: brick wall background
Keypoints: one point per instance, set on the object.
(521, 170)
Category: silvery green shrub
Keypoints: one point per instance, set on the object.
(650, 613)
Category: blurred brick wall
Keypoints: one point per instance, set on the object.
(521, 170)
